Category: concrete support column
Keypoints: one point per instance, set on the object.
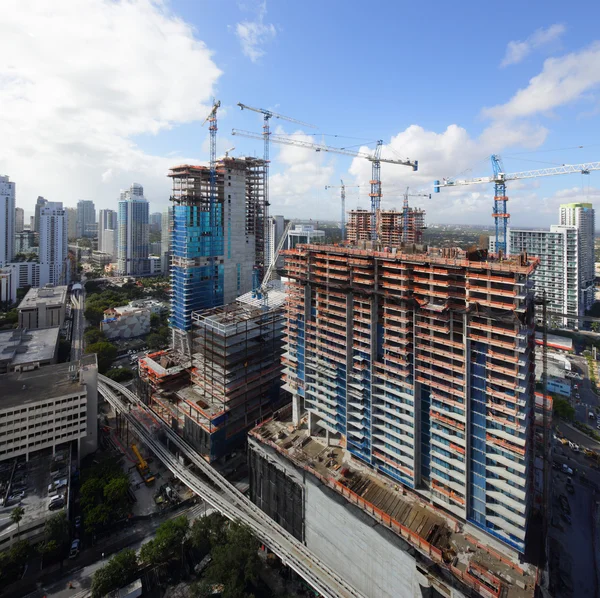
(312, 420)
(296, 411)
(326, 437)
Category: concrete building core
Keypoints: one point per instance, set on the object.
(421, 364)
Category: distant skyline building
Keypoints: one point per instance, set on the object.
(53, 254)
(7, 220)
(583, 217)
(86, 217)
(133, 231)
(155, 222)
(107, 227)
(304, 233)
(165, 239)
(71, 223)
(39, 204)
(19, 220)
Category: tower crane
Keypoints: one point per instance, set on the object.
(267, 116)
(375, 159)
(213, 214)
(405, 210)
(342, 189)
(499, 179)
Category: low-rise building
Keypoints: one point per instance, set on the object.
(43, 307)
(304, 233)
(24, 350)
(127, 321)
(100, 259)
(558, 373)
(48, 408)
(18, 275)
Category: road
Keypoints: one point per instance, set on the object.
(224, 497)
(587, 397)
(131, 537)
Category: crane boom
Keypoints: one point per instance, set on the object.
(320, 147)
(499, 179)
(271, 114)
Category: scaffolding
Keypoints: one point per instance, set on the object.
(401, 353)
(393, 231)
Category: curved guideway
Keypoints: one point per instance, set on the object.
(227, 499)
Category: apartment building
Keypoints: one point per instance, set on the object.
(394, 227)
(7, 220)
(54, 264)
(43, 307)
(421, 365)
(133, 233)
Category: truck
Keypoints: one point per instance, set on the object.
(142, 467)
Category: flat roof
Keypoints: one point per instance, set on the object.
(51, 296)
(21, 346)
(375, 492)
(48, 382)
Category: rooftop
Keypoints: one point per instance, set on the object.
(51, 296)
(476, 560)
(21, 388)
(21, 346)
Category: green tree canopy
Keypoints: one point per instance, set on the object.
(235, 563)
(120, 570)
(94, 314)
(16, 516)
(93, 335)
(208, 532)
(563, 409)
(119, 374)
(105, 352)
(155, 341)
(57, 529)
(167, 541)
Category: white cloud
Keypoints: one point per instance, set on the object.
(447, 154)
(253, 35)
(297, 182)
(516, 51)
(562, 80)
(73, 96)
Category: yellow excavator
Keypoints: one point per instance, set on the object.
(142, 466)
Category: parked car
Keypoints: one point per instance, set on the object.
(77, 522)
(18, 494)
(566, 469)
(74, 549)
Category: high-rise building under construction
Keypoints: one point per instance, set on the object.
(216, 242)
(393, 227)
(421, 365)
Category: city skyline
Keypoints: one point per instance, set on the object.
(449, 132)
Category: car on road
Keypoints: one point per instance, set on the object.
(77, 522)
(566, 469)
(74, 549)
(566, 518)
(17, 495)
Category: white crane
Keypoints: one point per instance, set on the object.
(375, 158)
(499, 179)
(262, 234)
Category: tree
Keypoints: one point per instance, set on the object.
(563, 409)
(105, 352)
(235, 563)
(155, 321)
(16, 515)
(167, 543)
(208, 532)
(119, 374)
(119, 571)
(94, 314)
(155, 341)
(116, 494)
(595, 326)
(57, 529)
(93, 335)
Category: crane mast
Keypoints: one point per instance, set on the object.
(499, 179)
(342, 188)
(267, 115)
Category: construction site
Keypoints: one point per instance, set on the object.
(233, 381)
(393, 228)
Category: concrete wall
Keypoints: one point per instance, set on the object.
(127, 325)
(377, 562)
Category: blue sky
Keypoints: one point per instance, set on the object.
(444, 83)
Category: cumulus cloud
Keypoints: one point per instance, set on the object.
(516, 51)
(298, 179)
(450, 153)
(562, 80)
(253, 35)
(74, 96)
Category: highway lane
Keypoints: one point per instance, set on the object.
(228, 500)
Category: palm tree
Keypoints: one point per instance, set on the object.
(15, 516)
